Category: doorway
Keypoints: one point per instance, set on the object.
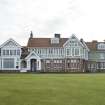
(33, 65)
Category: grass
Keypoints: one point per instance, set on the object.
(52, 89)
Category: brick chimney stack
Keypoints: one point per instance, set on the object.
(94, 44)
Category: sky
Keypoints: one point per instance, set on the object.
(84, 18)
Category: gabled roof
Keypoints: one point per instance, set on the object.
(73, 36)
(9, 41)
(33, 54)
(45, 42)
(83, 42)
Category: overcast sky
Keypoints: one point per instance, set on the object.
(85, 18)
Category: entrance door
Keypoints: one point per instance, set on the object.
(33, 65)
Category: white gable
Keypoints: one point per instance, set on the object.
(32, 55)
(10, 43)
(73, 41)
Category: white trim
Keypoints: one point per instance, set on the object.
(71, 38)
(86, 45)
(36, 56)
(78, 50)
(8, 41)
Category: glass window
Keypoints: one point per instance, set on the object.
(101, 46)
(47, 61)
(68, 51)
(3, 52)
(72, 51)
(54, 61)
(11, 52)
(60, 61)
(7, 52)
(50, 51)
(77, 51)
(18, 52)
(8, 63)
(14, 52)
(101, 55)
(57, 61)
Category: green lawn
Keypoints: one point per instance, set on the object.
(52, 89)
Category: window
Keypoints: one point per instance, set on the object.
(18, 52)
(73, 61)
(102, 65)
(8, 63)
(54, 40)
(60, 61)
(61, 51)
(47, 61)
(68, 51)
(54, 61)
(50, 51)
(72, 51)
(3, 52)
(11, 52)
(73, 43)
(7, 52)
(77, 51)
(101, 55)
(14, 52)
(76, 44)
(101, 46)
(38, 51)
(57, 61)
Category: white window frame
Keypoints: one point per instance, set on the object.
(75, 51)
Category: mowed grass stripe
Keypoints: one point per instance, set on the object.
(52, 89)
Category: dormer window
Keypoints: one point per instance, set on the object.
(54, 40)
(101, 46)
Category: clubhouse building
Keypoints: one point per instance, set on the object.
(52, 55)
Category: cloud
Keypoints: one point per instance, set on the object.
(45, 17)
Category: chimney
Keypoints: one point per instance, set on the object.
(57, 35)
(94, 44)
(31, 34)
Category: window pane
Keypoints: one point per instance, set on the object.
(18, 52)
(76, 51)
(8, 63)
(7, 52)
(3, 52)
(11, 52)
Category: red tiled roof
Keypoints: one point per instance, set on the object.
(45, 42)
